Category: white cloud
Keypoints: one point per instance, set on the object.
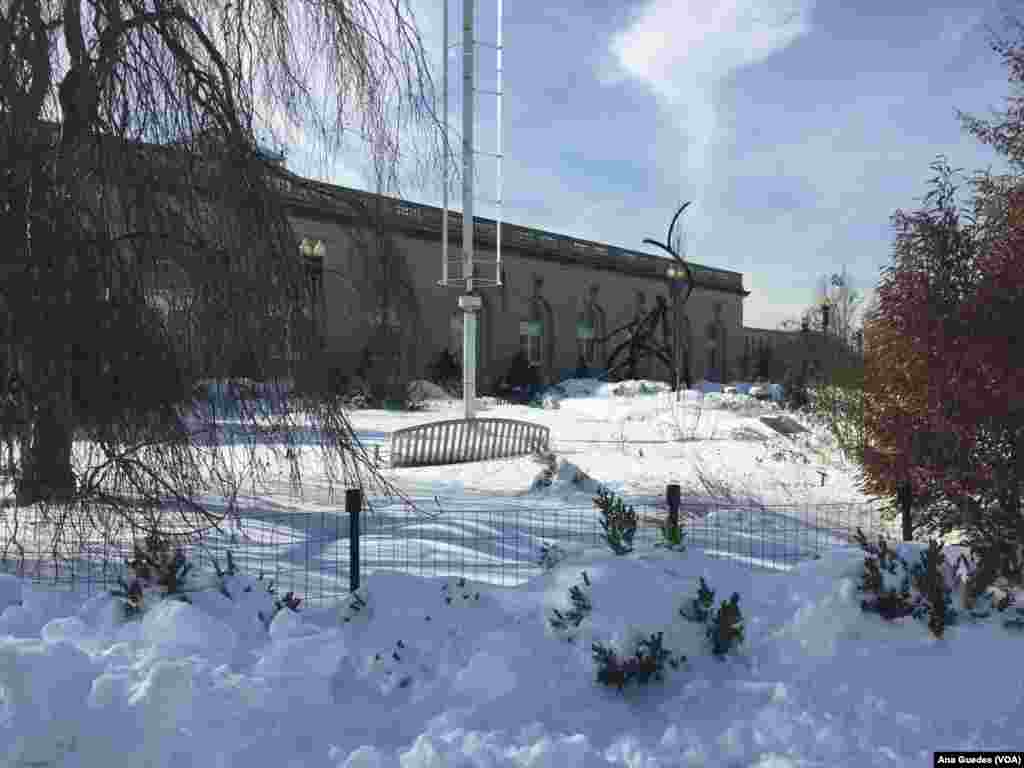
(683, 50)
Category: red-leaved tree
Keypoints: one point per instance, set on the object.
(944, 412)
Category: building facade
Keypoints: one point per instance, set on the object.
(560, 298)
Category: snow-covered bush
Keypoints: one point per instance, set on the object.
(581, 607)
(131, 597)
(547, 474)
(895, 587)
(289, 601)
(158, 570)
(725, 631)
(551, 401)
(646, 663)
(699, 608)
(155, 563)
(223, 575)
(357, 605)
(461, 589)
(886, 580)
(550, 556)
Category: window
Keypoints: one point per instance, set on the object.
(531, 338)
(312, 253)
(586, 342)
(590, 330)
(315, 279)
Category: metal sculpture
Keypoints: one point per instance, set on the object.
(641, 341)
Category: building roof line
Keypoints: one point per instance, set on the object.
(419, 216)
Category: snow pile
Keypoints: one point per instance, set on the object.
(584, 388)
(742, 405)
(422, 389)
(638, 387)
(446, 672)
(708, 387)
(436, 672)
(567, 480)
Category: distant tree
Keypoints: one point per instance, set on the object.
(846, 307)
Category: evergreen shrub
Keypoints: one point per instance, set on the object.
(647, 663)
(618, 521)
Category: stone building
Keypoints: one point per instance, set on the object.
(379, 291)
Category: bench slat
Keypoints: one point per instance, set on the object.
(456, 440)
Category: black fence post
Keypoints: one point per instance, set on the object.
(353, 506)
(905, 497)
(673, 497)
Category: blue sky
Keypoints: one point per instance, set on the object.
(797, 128)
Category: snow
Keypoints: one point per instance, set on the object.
(485, 681)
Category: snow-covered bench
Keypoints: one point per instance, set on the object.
(459, 440)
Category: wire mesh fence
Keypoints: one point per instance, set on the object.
(309, 550)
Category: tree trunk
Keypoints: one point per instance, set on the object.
(46, 458)
(46, 473)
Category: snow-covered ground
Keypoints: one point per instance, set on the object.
(434, 671)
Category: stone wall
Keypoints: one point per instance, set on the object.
(547, 277)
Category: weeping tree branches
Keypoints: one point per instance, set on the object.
(146, 243)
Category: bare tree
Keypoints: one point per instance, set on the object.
(145, 237)
(845, 309)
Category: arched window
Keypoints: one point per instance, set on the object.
(590, 330)
(531, 340)
(313, 253)
(172, 298)
(536, 330)
(711, 352)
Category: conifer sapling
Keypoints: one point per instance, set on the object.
(725, 631)
(581, 608)
(154, 562)
(699, 609)
(618, 521)
(647, 662)
(930, 581)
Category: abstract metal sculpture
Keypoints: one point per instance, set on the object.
(641, 341)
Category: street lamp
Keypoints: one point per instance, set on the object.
(677, 282)
(312, 249)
